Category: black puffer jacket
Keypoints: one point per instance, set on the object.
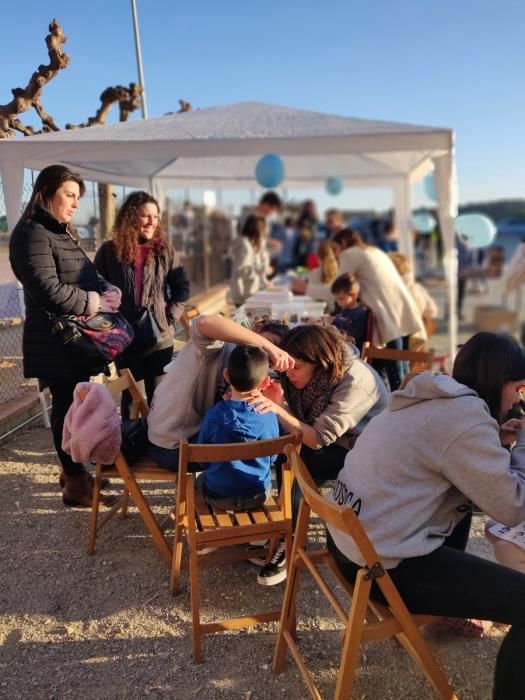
(164, 283)
(56, 275)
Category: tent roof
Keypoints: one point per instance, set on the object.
(219, 147)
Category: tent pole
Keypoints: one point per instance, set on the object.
(12, 174)
(144, 105)
(445, 183)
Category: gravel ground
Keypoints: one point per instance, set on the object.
(106, 626)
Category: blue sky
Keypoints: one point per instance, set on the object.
(453, 63)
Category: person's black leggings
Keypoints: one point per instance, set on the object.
(453, 583)
(62, 396)
(149, 368)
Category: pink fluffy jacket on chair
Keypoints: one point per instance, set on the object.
(92, 426)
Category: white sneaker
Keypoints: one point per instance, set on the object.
(206, 550)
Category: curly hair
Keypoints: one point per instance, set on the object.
(125, 229)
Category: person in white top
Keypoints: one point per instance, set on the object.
(250, 261)
(382, 288)
(383, 291)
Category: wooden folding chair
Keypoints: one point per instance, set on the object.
(366, 620)
(205, 526)
(417, 360)
(144, 469)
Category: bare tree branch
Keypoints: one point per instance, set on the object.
(25, 98)
(128, 101)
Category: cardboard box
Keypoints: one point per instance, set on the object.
(497, 319)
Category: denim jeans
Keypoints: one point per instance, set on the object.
(235, 503)
(453, 583)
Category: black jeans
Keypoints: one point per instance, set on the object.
(451, 582)
(148, 368)
(62, 395)
(324, 465)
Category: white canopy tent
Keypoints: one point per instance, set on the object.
(218, 148)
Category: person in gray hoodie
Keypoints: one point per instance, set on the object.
(412, 478)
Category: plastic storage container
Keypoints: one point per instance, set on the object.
(299, 310)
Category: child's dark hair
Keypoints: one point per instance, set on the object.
(247, 366)
(343, 283)
(486, 363)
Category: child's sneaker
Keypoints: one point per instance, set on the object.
(275, 570)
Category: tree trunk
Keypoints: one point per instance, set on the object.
(106, 201)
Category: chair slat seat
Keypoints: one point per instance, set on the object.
(205, 526)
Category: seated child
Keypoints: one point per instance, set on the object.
(351, 317)
(239, 485)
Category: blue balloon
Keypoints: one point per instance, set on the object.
(269, 171)
(430, 188)
(423, 222)
(478, 229)
(334, 185)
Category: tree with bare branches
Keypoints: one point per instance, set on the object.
(29, 97)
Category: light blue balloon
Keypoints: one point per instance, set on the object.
(334, 185)
(478, 229)
(269, 171)
(430, 188)
(423, 222)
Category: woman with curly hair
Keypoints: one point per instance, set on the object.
(140, 261)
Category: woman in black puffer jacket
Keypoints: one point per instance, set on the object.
(142, 264)
(58, 278)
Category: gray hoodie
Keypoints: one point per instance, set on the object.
(416, 467)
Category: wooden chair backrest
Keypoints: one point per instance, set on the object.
(191, 453)
(341, 517)
(126, 381)
(371, 352)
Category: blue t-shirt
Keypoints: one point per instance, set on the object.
(236, 421)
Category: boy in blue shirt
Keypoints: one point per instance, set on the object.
(239, 484)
